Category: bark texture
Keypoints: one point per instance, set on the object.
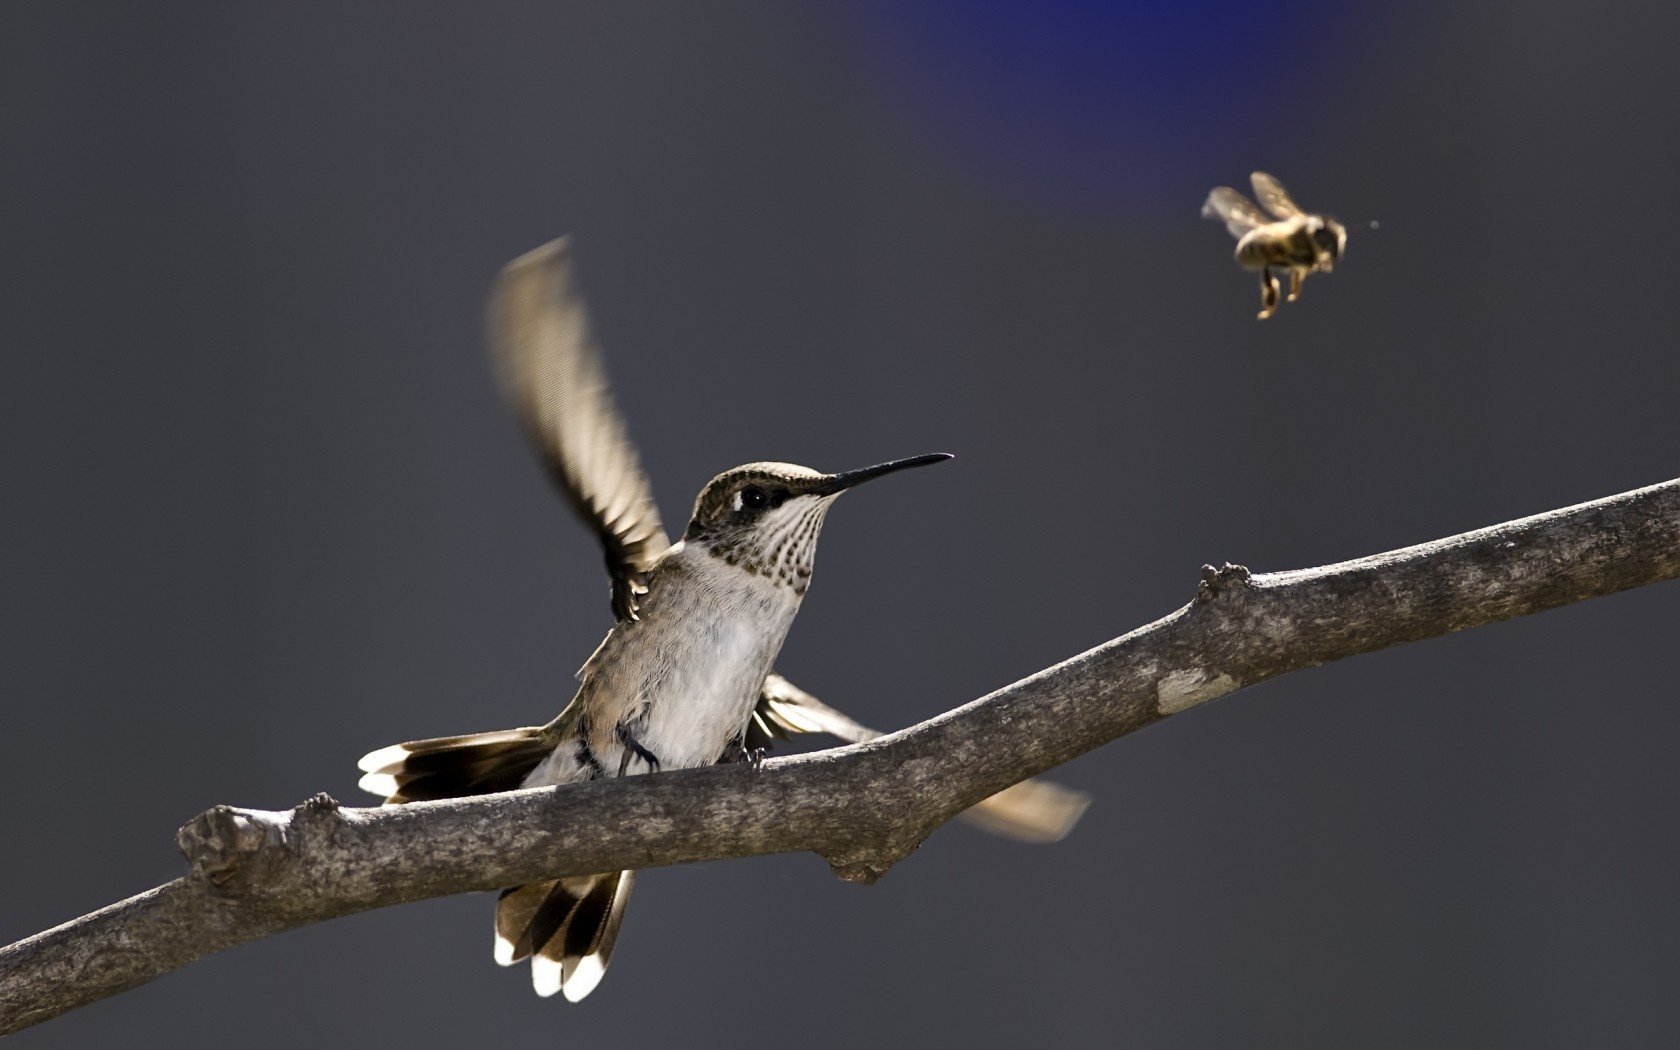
(252, 873)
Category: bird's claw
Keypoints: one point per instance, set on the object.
(634, 747)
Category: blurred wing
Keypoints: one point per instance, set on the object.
(785, 711)
(1272, 196)
(551, 374)
(1031, 811)
(1237, 212)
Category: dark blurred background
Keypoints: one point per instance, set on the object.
(264, 512)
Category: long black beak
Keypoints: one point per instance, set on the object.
(837, 483)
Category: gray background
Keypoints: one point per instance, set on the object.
(263, 511)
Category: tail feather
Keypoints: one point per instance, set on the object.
(548, 925)
(566, 927)
(515, 911)
(603, 949)
(453, 766)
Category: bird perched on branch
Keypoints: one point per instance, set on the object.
(684, 678)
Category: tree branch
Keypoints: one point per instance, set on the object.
(864, 807)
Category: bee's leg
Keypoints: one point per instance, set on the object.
(1268, 293)
(1297, 278)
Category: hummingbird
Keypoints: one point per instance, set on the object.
(684, 677)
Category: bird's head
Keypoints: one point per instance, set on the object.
(764, 517)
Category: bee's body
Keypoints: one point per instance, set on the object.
(1289, 240)
(1286, 244)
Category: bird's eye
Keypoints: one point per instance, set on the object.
(754, 498)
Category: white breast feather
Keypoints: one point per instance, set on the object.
(693, 667)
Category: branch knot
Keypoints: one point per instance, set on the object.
(864, 865)
(222, 842)
(1226, 579)
(319, 804)
(861, 873)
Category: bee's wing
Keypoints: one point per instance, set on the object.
(1237, 212)
(1032, 811)
(551, 374)
(1273, 197)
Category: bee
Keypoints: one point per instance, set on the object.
(1289, 239)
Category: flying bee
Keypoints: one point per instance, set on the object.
(1289, 239)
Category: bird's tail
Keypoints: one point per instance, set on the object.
(452, 766)
(567, 927)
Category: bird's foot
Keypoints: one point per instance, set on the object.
(738, 751)
(634, 747)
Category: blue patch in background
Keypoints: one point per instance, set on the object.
(1109, 107)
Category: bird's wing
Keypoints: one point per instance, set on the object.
(1031, 811)
(1272, 196)
(785, 711)
(551, 374)
(1237, 212)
